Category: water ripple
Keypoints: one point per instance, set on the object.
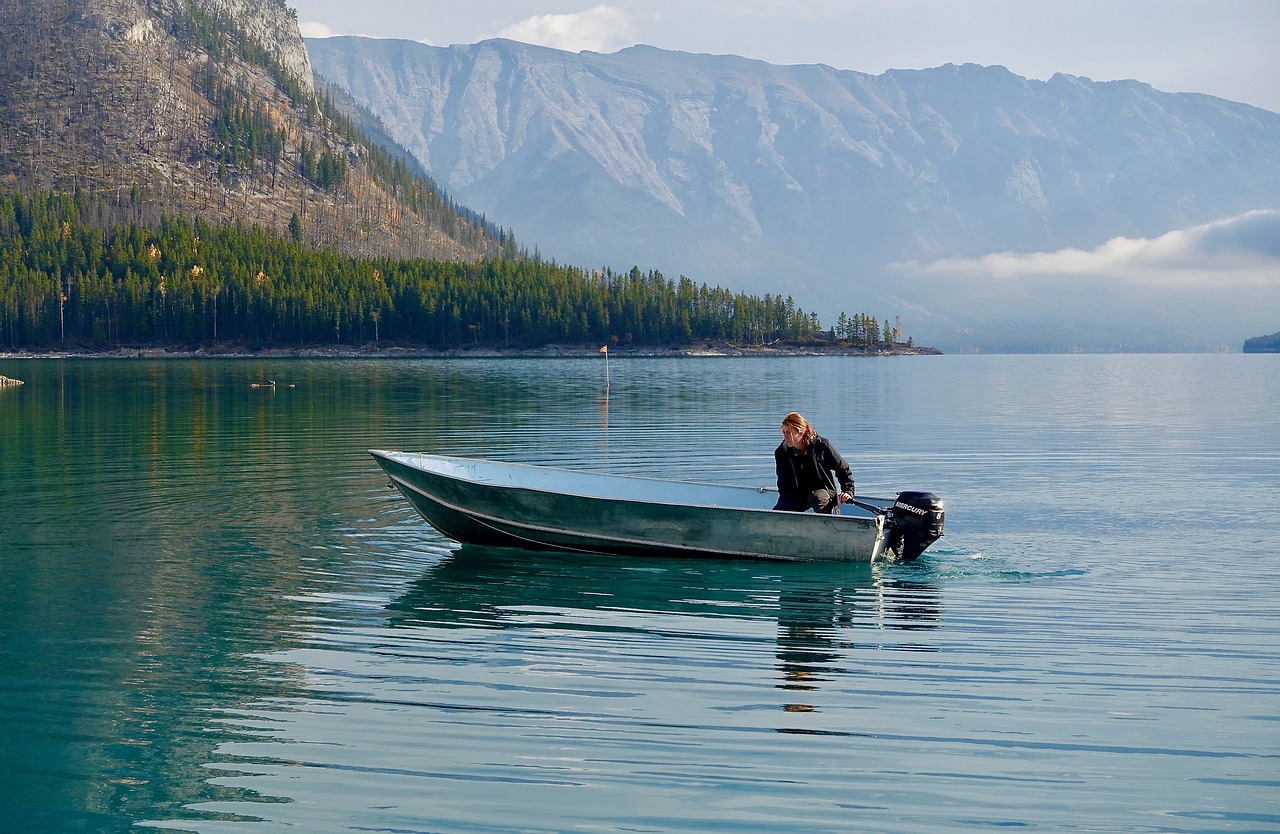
(217, 617)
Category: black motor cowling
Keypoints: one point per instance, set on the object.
(917, 523)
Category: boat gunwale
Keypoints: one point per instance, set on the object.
(864, 517)
(504, 527)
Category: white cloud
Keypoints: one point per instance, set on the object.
(598, 29)
(314, 29)
(1238, 250)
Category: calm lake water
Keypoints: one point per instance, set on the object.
(217, 617)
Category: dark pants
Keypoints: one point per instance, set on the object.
(820, 501)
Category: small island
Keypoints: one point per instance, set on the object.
(1263, 344)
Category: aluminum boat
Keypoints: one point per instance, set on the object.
(544, 508)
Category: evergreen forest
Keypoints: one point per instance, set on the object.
(70, 279)
(1263, 344)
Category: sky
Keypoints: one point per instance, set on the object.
(1225, 48)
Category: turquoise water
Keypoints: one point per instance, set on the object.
(217, 617)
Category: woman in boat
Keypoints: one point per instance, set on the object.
(804, 461)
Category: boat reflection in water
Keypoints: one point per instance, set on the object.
(821, 611)
(818, 625)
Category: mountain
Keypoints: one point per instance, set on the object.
(207, 108)
(848, 191)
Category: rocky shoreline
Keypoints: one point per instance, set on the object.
(708, 349)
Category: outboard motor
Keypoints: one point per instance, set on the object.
(917, 523)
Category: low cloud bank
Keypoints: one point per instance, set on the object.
(1240, 250)
(1201, 288)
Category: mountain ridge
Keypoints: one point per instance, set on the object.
(806, 178)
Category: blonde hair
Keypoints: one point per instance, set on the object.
(796, 421)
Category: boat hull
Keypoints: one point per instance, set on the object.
(542, 508)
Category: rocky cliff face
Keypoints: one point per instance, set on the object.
(804, 178)
(272, 25)
(199, 106)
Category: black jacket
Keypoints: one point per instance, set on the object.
(799, 474)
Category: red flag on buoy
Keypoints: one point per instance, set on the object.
(603, 349)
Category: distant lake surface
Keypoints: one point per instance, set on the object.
(216, 617)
